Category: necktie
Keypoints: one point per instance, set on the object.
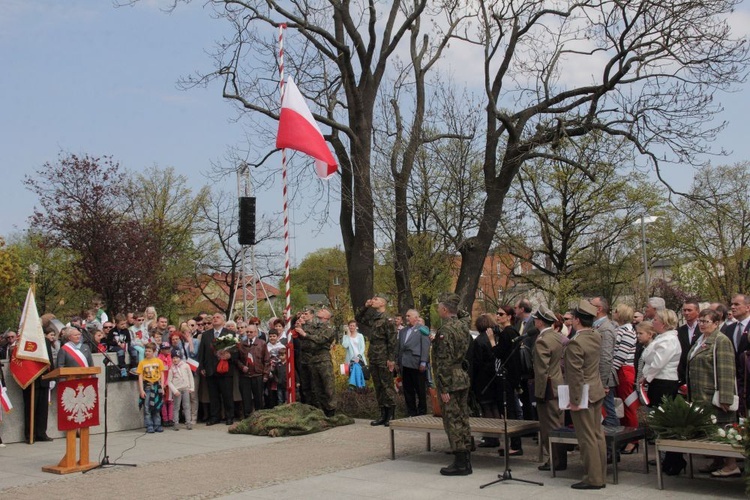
(737, 335)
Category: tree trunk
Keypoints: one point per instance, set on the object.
(401, 251)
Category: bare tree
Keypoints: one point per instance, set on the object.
(655, 66)
(222, 255)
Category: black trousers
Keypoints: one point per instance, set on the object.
(220, 394)
(251, 389)
(415, 390)
(41, 410)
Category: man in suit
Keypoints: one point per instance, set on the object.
(606, 329)
(687, 334)
(525, 325)
(738, 333)
(412, 354)
(582, 368)
(219, 384)
(548, 351)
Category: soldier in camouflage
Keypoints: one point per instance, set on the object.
(315, 339)
(449, 348)
(381, 354)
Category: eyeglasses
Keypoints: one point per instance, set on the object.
(567, 318)
(705, 321)
(500, 313)
(107, 327)
(139, 319)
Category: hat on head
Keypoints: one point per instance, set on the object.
(166, 345)
(586, 308)
(544, 314)
(176, 353)
(450, 298)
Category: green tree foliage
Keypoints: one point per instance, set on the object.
(164, 205)
(577, 228)
(12, 283)
(126, 238)
(710, 231)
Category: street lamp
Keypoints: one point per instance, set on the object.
(643, 221)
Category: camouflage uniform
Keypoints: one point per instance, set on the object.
(450, 369)
(382, 336)
(316, 364)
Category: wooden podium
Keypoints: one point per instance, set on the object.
(68, 463)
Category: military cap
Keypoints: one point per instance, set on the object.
(544, 314)
(450, 298)
(586, 308)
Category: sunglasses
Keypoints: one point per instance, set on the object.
(107, 327)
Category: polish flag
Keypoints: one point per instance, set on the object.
(29, 358)
(298, 131)
(193, 364)
(5, 404)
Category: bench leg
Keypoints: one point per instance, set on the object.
(645, 454)
(393, 446)
(614, 461)
(429, 443)
(690, 464)
(551, 460)
(659, 479)
(541, 446)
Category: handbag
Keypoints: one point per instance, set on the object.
(716, 401)
(365, 369)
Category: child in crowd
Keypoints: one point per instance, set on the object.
(101, 346)
(138, 335)
(167, 409)
(181, 385)
(150, 372)
(279, 375)
(273, 343)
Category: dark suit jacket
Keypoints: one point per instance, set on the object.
(207, 359)
(414, 351)
(683, 336)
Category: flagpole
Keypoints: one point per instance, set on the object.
(291, 383)
(33, 269)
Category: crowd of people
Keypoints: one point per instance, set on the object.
(514, 365)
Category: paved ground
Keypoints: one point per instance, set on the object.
(345, 462)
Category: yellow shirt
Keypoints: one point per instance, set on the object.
(151, 369)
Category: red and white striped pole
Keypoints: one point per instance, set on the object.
(290, 379)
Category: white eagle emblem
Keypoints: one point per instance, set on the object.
(78, 403)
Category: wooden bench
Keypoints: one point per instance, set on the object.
(614, 437)
(694, 447)
(489, 427)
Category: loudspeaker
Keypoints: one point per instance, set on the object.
(246, 233)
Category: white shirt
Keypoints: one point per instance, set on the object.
(662, 357)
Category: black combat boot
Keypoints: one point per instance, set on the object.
(460, 465)
(383, 417)
(390, 414)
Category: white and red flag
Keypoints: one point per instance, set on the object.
(5, 404)
(29, 358)
(298, 131)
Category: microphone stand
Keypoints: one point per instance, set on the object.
(106, 362)
(502, 373)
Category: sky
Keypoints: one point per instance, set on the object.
(85, 77)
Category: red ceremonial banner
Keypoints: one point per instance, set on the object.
(77, 404)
